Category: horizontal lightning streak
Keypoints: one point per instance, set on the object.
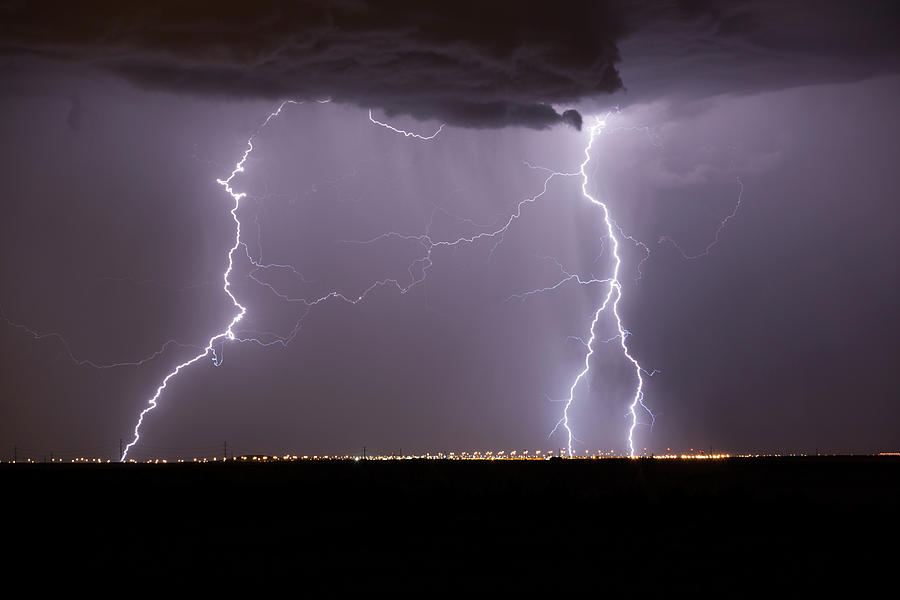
(81, 362)
(567, 277)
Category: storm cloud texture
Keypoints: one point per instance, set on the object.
(467, 63)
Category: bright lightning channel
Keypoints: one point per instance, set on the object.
(421, 264)
(406, 133)
(613, 296)
(566, 278)
(614, 291)
(228, 333)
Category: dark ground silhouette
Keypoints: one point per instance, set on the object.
(432, 526)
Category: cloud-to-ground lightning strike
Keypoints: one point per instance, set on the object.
(613, 295)
(228, 334)
(418, 270)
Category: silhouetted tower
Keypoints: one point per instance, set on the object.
(364, 453)
(225, 450)
(121, 450)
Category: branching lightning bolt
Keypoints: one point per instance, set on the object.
(614, 291)
(84, 362)
(613, 295)
(228, 332)
(405, 133)
(612, 298)
(705, 252)
(566, 278)
(417, 270)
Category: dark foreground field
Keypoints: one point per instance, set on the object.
(428, 526)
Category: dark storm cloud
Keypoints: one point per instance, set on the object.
(720, 47)
(469, 62)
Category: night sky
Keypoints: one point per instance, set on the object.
(117, 122)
